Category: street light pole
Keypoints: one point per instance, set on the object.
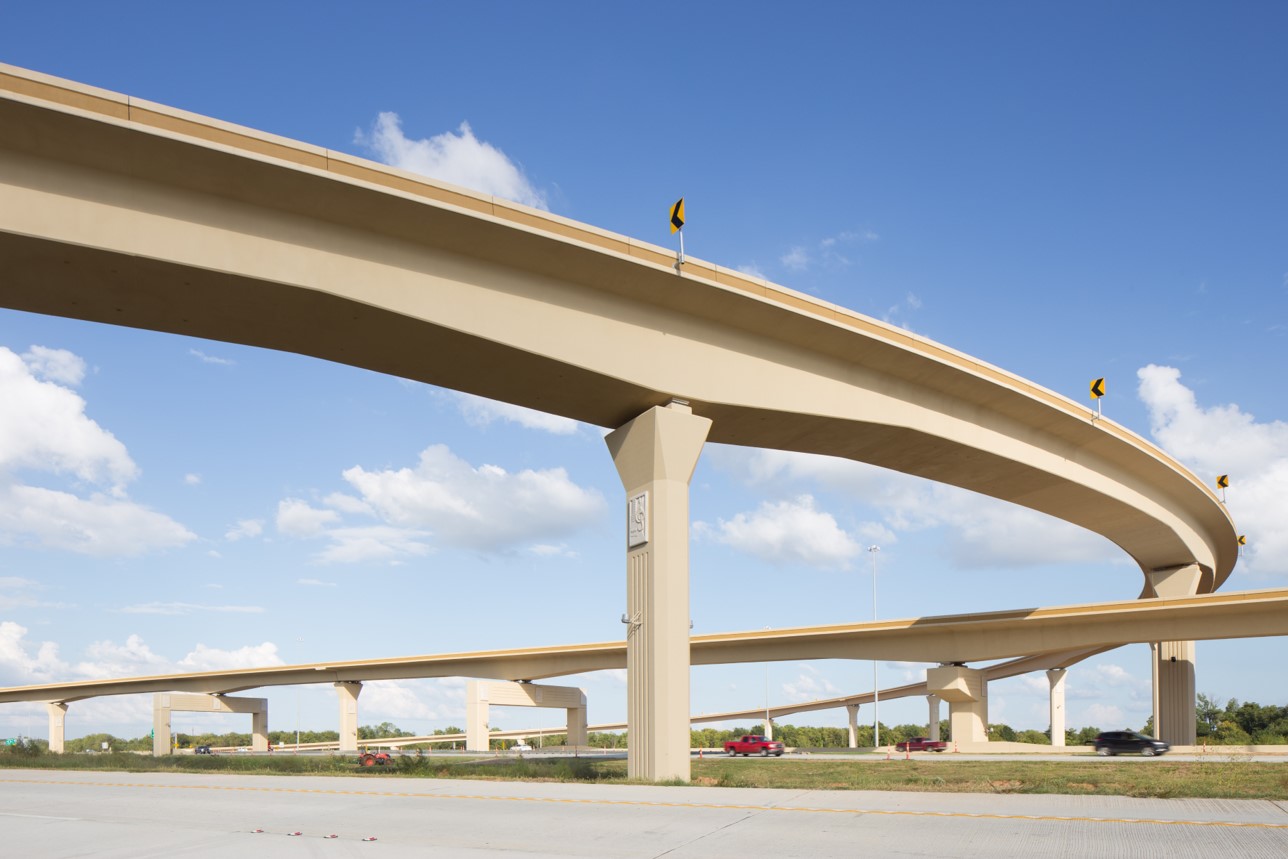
(876, 690)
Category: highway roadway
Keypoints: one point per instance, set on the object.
(65, 814)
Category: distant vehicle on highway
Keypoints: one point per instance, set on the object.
(202, 750)
(753, 744)
(921, 744)
(521, 747)
(1115, 742)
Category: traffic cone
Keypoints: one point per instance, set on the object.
(907, 752)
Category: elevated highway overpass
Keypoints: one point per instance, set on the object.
(118, 210)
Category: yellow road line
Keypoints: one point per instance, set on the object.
(647, 804)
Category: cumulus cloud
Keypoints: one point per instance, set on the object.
(55, 365)
(480, 412)
(296, 518)
(786, 532)
(44, 429)
(43, 425)
(204, 658)
(983, 532)
(390, 700)
(457, 157)
(484, 507)
(1223, 439)
(19, 665)
(244, 529)
(809, 685)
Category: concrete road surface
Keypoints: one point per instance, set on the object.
(64, 814)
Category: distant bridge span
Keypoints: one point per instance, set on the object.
(118, 210)
(953, 638)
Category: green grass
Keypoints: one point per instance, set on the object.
(1223, 778)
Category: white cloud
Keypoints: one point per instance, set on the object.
(1226, 440)
(192, 480)
(485, 508)
(786, 532)
(176, 608)
(752, 269)
(796, 259)
(210, 359)
(296, 518)
(459, 158)
(98, 525)
(55, 365)
(315, 583)
(44, 428)
(810, 685)
(543, 550)
(245, 528)
(205, 658)
(108, 659)
(983, 532)
(19, 667)
(374, 543)
(390, 700)
(479, 412)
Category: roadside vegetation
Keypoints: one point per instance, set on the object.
(1220, 777)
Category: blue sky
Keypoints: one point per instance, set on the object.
(1066, 191)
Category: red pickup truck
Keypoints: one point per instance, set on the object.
(921, 744)
(753, 744)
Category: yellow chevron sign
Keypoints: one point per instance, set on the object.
(677, 215)
(1098, 388)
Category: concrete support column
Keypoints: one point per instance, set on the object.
(162, 742)
(852, 710)
(1056, 678)
(1175, 721)
(259, 731)
(966, 691)
(348, 692)
(57, 726)
(477, 713)
(1174, 708)
(577, 733)
(932, 730)
(655, 455)
(769, 729)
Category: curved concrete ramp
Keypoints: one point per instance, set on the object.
(121, 211)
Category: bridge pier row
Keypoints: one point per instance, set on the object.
(655, 455)
(164, 705)
(966, 691)
(852, 710)
(932, 729)
(57, 726)
(1173, 668)
(348, 692)
(1056, 678)
(482, 695)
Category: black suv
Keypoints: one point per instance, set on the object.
(202, 750)
(1113, 742)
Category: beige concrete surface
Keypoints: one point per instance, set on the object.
(482, 695)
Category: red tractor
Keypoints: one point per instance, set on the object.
(371, 759)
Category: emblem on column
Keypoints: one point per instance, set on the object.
(637, 520)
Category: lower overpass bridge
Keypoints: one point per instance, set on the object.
(1058, 636)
